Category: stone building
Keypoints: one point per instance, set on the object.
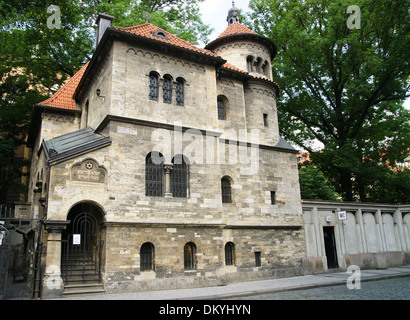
(160, 165)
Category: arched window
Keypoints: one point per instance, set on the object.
(249, 63)
(221, 110)
(153, 86)
(154, 172)
(229, 254)
(190, 256)
(226, 190)
(167, 89)
(265, 68)
(179, 177)
(147, 254)
(179, 92)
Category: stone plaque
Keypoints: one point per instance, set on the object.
(88, 171)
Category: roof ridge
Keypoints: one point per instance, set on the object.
(148, 30)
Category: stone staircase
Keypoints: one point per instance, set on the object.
(82, 277)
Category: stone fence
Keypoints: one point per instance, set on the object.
(369, 235)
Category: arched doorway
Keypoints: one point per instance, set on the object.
(83, 241)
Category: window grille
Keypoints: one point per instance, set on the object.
(229, 254)
(221, 110)
(179, 177)
(179, 93)
(147, 257)
(154, 172)
(189, 256)
(167, 90)
(226, 190)
(153, 87)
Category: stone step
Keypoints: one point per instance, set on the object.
(83, 289)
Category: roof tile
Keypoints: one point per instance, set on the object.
(236, 28)
(63, 98)
(148, 30)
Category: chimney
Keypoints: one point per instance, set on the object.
(103, 22)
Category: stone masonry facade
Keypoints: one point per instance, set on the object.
(260, 228)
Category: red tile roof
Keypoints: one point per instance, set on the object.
(147, 30)
(232, 67)
(236, 28)
(64, 98)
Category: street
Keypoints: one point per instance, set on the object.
(387, 289)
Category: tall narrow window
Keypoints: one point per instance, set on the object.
(190, 256)
(273, 197)
(179, 92)
(258, 259)
(221, 110)
(265, 119)
(154, 172)
(249, 63)
(226, 190)
(167, 90)
(153, 86)
(179, 177)
(229, 254)
(147, 257)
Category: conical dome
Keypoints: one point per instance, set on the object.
(233, 14)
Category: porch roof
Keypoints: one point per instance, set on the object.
(73, 144)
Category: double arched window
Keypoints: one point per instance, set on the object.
(155, 171)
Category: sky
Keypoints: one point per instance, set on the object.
(214, 13)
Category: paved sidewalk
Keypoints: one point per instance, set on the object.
(255, 287)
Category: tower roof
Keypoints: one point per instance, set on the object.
(233, 14)
(237, 31)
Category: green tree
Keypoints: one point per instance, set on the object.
(314, 185)
(37, 57)
(340, 86)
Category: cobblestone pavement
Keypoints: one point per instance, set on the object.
(387, 289)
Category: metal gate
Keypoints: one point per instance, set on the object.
(4, 259)
(82, 251)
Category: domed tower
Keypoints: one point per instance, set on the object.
(252, 53)
(244, 48)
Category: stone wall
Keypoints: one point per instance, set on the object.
(366, 234)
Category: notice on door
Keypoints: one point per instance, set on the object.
(76, 239)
